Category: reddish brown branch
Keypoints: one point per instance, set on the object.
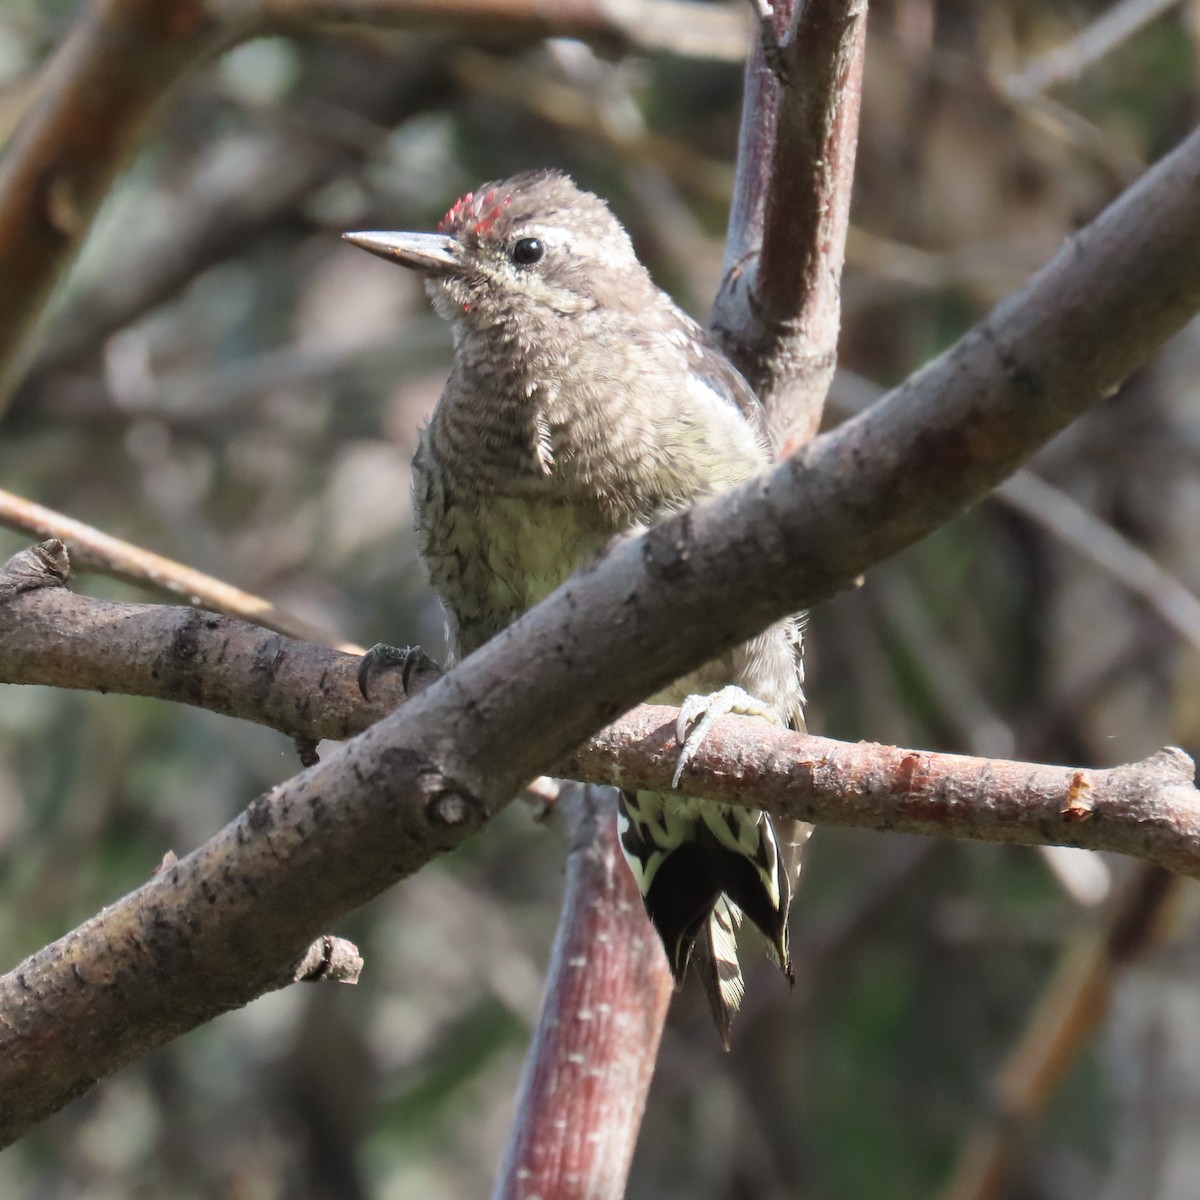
(589, 1066)
(779, 309)
(1149, 809)
(791, 368)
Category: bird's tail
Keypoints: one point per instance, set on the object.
(718, 966)
(699, 871)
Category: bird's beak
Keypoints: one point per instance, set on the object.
(429, 253)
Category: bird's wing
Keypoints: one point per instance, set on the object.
(707, 364)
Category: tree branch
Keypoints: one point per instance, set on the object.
(588, 1067)
(50, 636)
(1066, 63)
(232, 919)
(1061, 1025)
(1150, 809)
(779, 308)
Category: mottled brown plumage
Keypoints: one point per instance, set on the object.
(583, 403)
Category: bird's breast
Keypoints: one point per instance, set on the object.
(531, 546)
(493, 553)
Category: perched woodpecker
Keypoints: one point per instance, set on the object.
(582, 403)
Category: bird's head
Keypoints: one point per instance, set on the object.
(534, 244)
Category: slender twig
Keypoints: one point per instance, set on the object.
(110, 555)
(959, 697)
(1059, 1028)
(1066, 63)
(1116, 555)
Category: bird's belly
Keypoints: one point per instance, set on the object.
(493, 557)
(531, 546)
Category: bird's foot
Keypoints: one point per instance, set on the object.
(697, 715)
(411, 660)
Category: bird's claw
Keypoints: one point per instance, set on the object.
(381, 657)
(698, 714)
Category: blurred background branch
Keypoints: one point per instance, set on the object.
(97, 551)
(82, 124)
(1059, 1029)
(90, 111)
(684, 27)
(1066, 63)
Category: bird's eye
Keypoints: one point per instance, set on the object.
(527, 251)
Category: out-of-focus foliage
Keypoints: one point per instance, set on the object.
(225, 382)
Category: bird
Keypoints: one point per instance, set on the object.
(583, 404)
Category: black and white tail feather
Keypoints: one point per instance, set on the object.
(701, 866)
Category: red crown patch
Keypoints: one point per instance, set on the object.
(475, 215)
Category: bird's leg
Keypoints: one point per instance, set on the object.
(411, 660)
(697, 714)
